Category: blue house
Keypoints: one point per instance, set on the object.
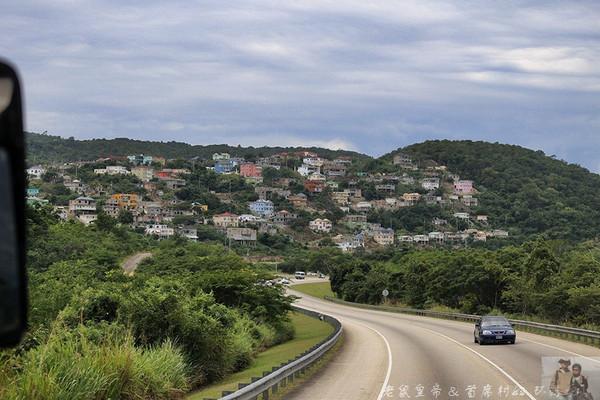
(264, 208)
(33, 192)
(225, 166)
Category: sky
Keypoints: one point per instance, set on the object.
(369, 76)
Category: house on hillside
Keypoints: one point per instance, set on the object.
(463, 187)
(140, 159)
(299, 200)
(403, 160)
(314, 186)
(160, 230)
(320, 225)
(35, 172)
(283, 218)
(411, 198)
(430, 183)
(246, 236)
(226, 220)
(83, 209)
(264, 208)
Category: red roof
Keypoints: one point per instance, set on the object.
(226, 214)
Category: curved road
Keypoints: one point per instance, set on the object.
(388, 355)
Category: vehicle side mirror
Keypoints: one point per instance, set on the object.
(13, 279)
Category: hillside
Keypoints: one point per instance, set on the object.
(530, 192)
(42, 148)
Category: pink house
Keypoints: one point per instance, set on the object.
(250, 170)
(463, 187)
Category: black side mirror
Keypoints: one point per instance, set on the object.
(13, 278)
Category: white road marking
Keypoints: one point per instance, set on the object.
(563, 350)
(387, 344)
(486, 359)
(389, 370)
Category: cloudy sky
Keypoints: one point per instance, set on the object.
(362, 75)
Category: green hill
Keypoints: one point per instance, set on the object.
(42, 148)
(526, 190)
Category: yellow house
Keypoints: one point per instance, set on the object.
(127, 201)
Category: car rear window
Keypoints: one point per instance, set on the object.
(494, 321)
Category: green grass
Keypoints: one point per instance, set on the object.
(317, 289)
(309, 331)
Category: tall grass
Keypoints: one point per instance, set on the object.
(72, 365)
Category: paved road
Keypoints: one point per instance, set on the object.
(130, 263)
(425, 352)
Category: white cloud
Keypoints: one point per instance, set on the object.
(365, 75)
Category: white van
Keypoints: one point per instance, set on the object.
(300, 275)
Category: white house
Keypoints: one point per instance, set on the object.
(220, 156)
(430, 183)
(306, 169)
(320, 225)
(36, 172)
(160, 230)
(112, 170)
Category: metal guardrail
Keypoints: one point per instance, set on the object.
(565, 332)
(280, 376)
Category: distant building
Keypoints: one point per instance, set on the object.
(225, 166)
(334, 169)
(411, 198)
(403, 160)
(126, 201)
(143, 173)
(250, 170)
(188, 233)
(362, 206)
(160, 230)
(463, 187)
(461, 215)
(314, 186)
(298, 200)
(306, 169)
(320, 225)
(140, 159)
(35, 172)
(283, 218)
(436, 237)
(242, 235)
(355, 219)
(226, 220)
(421, 239)
(386, 187)
(112, 170)
(430, 183)
(33, 192)
(313, 161)
(264, 208)
(383, 236)
(220, 156)
(83, 209)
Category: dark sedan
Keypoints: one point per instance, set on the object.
(492, 329)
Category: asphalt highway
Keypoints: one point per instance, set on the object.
(389, 355)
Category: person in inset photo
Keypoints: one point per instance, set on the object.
(561, 381)
(579, 384)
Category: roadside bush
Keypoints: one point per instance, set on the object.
(73, 364)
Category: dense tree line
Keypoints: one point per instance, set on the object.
(47, 148)
(541, 279)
